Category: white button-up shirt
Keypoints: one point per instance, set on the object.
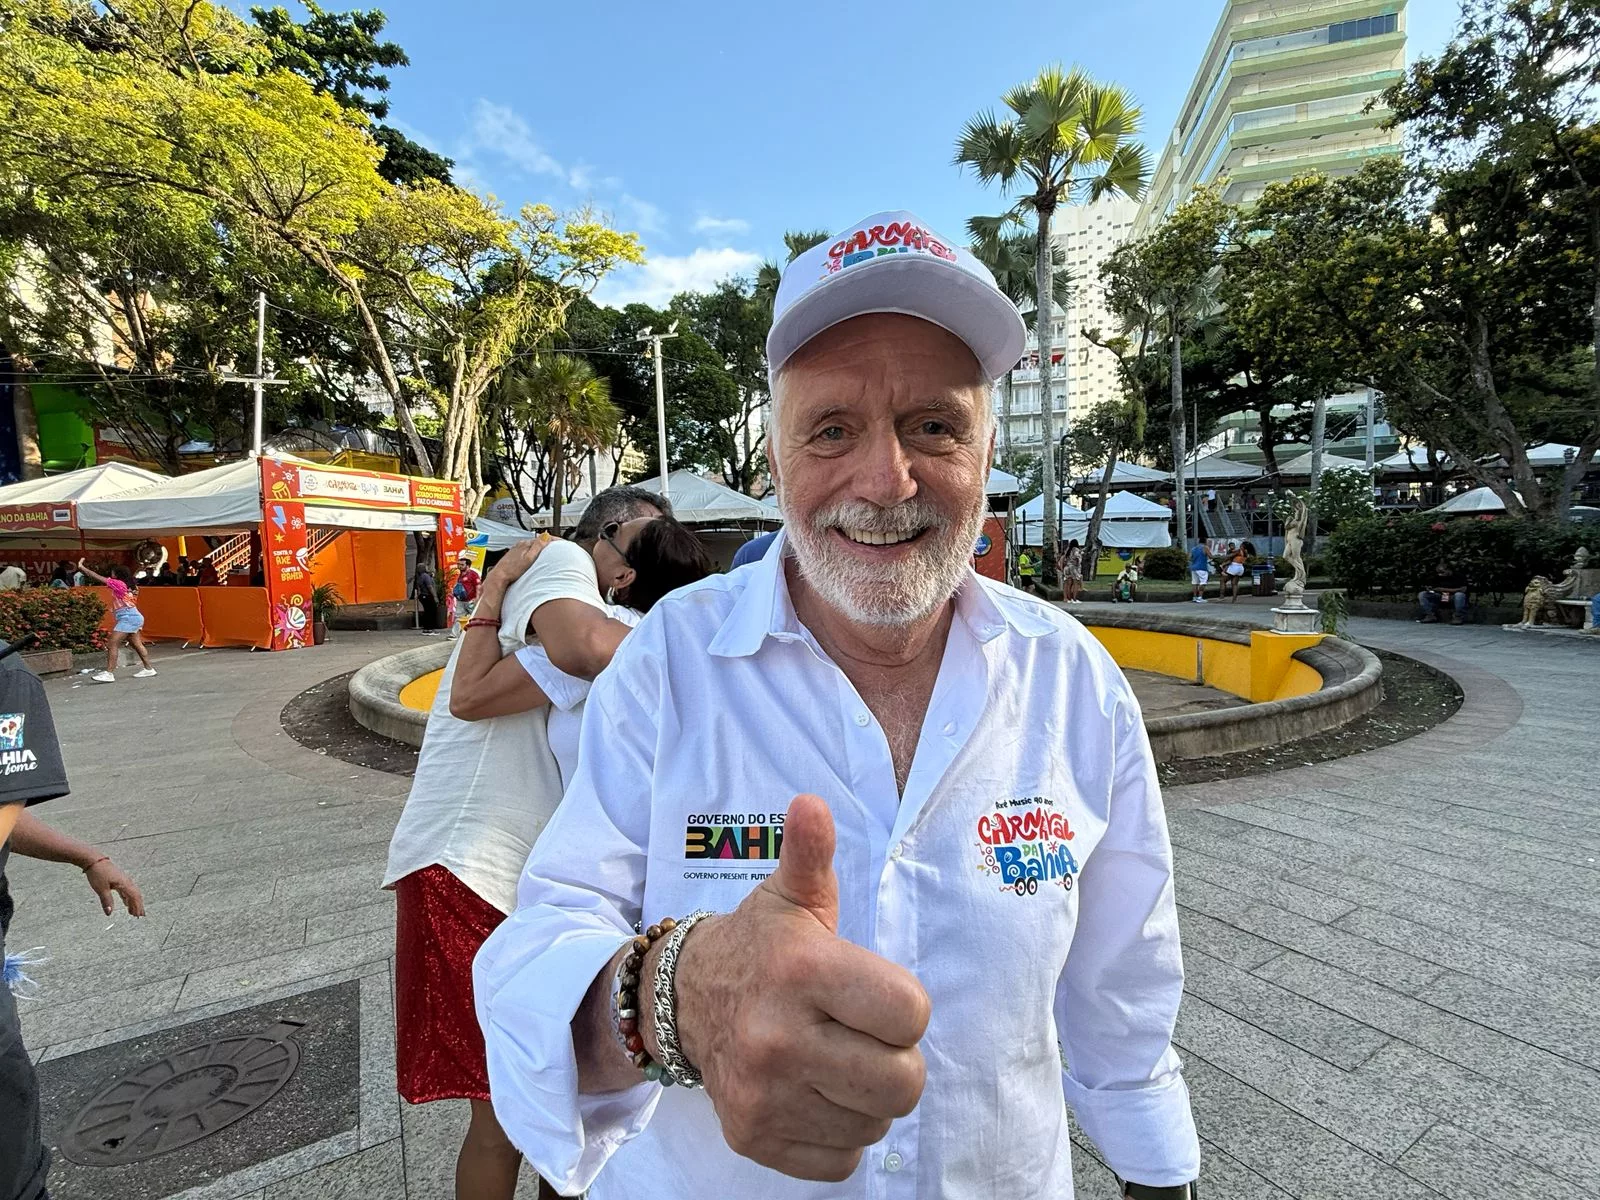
(1024, 877)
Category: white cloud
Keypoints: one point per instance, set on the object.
(665, 275)
(644, 216)
(722, 225)
(498, 131)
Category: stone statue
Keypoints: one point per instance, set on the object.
(1539, 605)
(1294, 532)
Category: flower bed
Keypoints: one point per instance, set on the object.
(64, 618)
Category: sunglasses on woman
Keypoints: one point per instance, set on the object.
(608, 535)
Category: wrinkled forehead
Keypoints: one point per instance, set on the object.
(885, 360)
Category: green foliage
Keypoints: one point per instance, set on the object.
(1029, 470)
(326, 599)
(733, 319)
(1334, 606)
(1166, 562)
(64, 618)
(1342, 495)
(1397, 556)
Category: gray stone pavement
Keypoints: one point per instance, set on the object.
(1391, 958)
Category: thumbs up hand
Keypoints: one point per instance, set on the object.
(807, 1042)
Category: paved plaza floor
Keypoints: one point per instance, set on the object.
(1392, 959)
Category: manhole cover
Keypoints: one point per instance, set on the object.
(186, 1096)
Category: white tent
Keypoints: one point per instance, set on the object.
(1002, 483)
(89, 483)
(225, 499)
(498, 535)
(1124, 474)
(695, 501)
(1478, 500)
(1414, 459)
(1217, 468)
(1555, 454)
(1130, 522)
(1300, 468)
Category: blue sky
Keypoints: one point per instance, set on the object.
(710, 135)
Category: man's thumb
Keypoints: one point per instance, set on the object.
(805, 863)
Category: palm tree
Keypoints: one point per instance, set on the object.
(1067, 139)
(796, 242)
(567, 407)
(1009, 258)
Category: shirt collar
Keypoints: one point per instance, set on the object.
(763, 609)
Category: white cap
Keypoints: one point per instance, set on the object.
(891, 262)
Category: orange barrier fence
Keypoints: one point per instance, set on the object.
(235, 616)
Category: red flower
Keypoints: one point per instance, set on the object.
(1437, 527)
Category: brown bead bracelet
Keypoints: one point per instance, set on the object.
(625, 1002)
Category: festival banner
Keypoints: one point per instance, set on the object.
(286, 548)
(452, 540)
(28, 518)
(438, 494)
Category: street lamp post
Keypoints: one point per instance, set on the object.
(655, 340)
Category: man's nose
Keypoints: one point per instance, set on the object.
(883, 475)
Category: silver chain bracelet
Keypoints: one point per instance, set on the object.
(664, 990)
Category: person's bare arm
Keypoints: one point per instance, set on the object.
(100, 579)
(32, 838)
(503, 689)
(579, 638)
(8, 820)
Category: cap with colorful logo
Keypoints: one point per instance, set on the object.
(892, 262)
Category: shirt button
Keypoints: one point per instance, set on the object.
(949, 728)
(899, 849)
(863, 720)
(892, 1161)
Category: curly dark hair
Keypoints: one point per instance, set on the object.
(665, 555)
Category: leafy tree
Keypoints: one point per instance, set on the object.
(1066, 139)
(796, 242)
(546, 409)
(339, 54)
(734, 321)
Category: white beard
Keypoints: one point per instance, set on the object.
(897, 594)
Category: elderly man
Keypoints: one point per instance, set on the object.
(975, 883)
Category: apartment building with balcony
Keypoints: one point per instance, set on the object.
(1283, 89)
(1083, 374)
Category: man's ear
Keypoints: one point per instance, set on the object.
(625, 578)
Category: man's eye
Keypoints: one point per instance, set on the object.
(832, 433)
(935, 428)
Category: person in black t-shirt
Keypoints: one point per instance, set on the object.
(1449, 586)
(31, 771)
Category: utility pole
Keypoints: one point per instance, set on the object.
(655, 340)
(1372, 413)
(258, 379)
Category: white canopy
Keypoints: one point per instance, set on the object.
(1130, 522)
(1300, 468)
(695, 501)
(1125, 474)
(497, 535)
(1478, 500)
(1414, 459)
(1002, 483)
(1215, 468)
(225, 499)
(89, 483)
(1554, 454)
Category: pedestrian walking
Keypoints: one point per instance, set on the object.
(1199, 570)
(1072, 572)
(127, 622)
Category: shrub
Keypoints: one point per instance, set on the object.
(1316, 566)
(1166, 562)
(1396, 556)
(64, 618)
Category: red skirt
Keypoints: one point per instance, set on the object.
(439, 925)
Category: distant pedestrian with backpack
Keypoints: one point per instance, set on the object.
(127, 622)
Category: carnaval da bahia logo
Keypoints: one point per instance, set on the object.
(897, 237)
(1024, 842)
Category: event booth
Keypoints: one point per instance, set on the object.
(1130, 522)
(271, 529)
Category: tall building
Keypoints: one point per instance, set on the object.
(1083, 373)
(1283, 89)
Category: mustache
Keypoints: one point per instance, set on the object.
(901, 520)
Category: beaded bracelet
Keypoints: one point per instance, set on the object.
(625, 1002)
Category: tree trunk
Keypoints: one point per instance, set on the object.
(29, 457)
(594, 486)
(1319, 430)
(1091, 551)
(1177, 423)
(1005, 419)
(1269, 437)
(559, 488)
(1044, 321)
